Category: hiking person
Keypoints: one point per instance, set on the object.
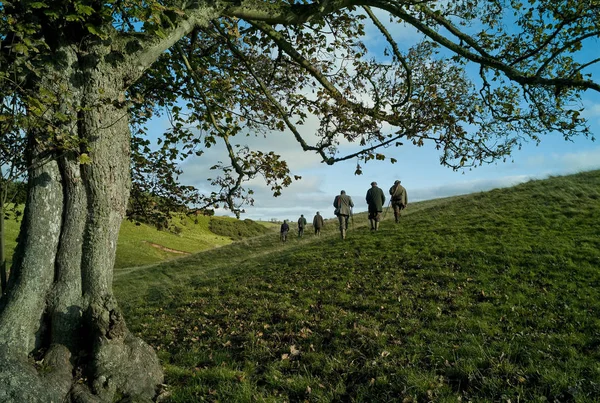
(375, 201)
(399, 199)
(285, 228)
(301, 225)
(343, 208)
(318, 223)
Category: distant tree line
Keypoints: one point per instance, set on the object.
(16, 191)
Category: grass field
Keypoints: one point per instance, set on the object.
(142, 244)
(490, 297)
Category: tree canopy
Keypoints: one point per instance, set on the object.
(485, 77)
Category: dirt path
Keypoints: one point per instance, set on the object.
(157, 246)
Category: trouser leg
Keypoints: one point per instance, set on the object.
(343, 225)
(396, 212)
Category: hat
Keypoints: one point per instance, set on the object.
(397, 182)
(373, 183)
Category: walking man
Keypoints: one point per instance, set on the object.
(318, 223)
(343, 208)
(399, 199)
(375, 201)
(301, 225)
(285, 228)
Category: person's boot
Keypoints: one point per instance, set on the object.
(376, 225)
(372, 225)
(397, 218)
(343, 233)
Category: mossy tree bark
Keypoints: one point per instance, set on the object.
(62, 335)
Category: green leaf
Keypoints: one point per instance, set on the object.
(21, 48)
(51, 14)
(38, 4)
(95, 30)
(84, 159)
(85, 10)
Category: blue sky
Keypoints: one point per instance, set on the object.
(418, 168)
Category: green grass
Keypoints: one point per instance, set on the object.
(142, 245)
(488, 297)
(11, 229)
(237, 229)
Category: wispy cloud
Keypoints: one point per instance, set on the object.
(566, 163)
(467, 187)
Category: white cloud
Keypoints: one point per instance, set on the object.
(466, 187)
(592, 112)
(582, 161)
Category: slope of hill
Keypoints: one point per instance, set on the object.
(142, 244)
(493, 296)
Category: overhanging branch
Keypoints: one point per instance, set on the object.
(483, 58)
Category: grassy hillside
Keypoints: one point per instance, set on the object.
(143, 244)
(488, 297)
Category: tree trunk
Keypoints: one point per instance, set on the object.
(62, 335)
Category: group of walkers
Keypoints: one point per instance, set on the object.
(343, 210)
(318, 223)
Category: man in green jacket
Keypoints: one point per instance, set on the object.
(375, 201)
(343, 208)
(318, 223)
(301, 225)
(399, 199)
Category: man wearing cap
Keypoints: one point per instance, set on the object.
(343, 208)
(318, 223)
(399, 199)
(375, 201)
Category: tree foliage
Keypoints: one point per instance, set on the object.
(262, 67)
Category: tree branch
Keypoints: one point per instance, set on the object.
(398, 55)
(312, 70)
(280, 109)
(483, 58)
(284, 13)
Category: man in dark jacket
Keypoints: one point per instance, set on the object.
(301, 225)
(343, 207)
(375, 201)
(285, 228)
(399, 199)
(318, 223)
